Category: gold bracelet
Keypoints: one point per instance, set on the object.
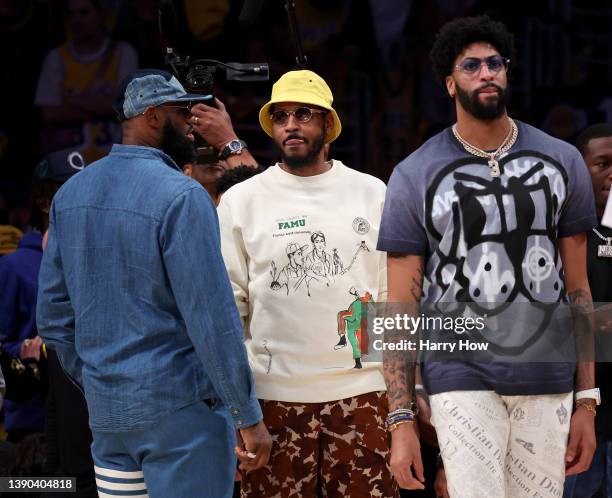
(587, 406)
(394, 426)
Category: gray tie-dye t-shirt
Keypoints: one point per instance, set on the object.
(490, 240)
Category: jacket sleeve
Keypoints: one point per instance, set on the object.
(54, 312)
(190, 243)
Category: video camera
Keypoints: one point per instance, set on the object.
(199, 75)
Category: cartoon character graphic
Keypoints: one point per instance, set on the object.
(292, 274)
(317, 260)
(353, 323)
(317, 265)
(295, 273)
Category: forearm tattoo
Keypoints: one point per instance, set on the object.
(399, 367)
(582, 308)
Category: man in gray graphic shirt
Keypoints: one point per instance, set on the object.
(490, 211)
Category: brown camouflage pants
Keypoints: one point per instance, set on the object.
(334, 449)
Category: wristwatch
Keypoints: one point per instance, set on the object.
(233, 147)
(589, 394)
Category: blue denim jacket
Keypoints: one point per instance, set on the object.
(134, 296)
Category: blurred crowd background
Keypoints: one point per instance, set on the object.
(62, 60)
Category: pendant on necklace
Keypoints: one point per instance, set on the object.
(605, 250)
(494, 166)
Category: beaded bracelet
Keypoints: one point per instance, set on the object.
(399, 418)
(411, 411)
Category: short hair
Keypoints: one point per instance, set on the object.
(600, 130)
(456, 35)
(232, 176)
(317, 234)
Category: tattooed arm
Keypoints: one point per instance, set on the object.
(405, 284)
(581, 445)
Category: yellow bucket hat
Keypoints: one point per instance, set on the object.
(303, 87)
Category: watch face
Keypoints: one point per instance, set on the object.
(234, 146)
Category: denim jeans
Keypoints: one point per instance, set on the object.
(190, 453)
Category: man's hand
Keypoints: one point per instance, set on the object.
(406, 456)
(440, 485)
(30, 348)
(257, 447)
(581, 446)
(213, 124)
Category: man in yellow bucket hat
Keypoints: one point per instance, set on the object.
(324, 403)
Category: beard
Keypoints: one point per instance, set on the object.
(489, 111)
(176, 145)
(311, 153)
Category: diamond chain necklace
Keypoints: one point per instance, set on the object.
(604, 250)
(608, 240)
(491, 156)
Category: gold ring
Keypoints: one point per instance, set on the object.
(27, 342)
(197, 120)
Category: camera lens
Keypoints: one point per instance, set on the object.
(199, 78)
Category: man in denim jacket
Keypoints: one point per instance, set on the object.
(135, 299)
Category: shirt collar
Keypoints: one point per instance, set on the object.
(143, 151)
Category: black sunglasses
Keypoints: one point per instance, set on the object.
(185, 110)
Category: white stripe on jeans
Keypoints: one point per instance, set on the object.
(121, 474)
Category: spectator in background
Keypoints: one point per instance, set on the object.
(18, 334)
(18, 288)
(216, 180)
(595, 145)
(206, 174)
(233, 176)
(77, 82)
(68, 438)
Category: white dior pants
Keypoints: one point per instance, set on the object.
(497, 446)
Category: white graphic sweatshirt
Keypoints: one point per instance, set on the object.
(301, 256)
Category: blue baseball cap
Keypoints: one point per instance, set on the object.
(149, 88)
